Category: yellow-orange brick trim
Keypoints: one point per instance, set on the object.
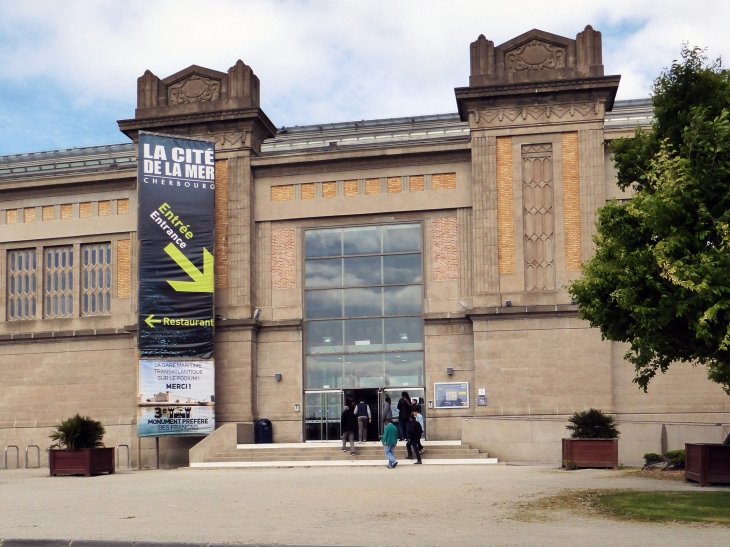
(445, 237)
(221, 224)
(124, 279)
(505, 207)
(283, 258)
(571, 202)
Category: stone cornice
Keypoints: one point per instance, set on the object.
(224, 120)
(468, 98)
(48, 336)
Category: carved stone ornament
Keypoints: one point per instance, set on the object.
(535, 55)
(195, 89)
(542, 113)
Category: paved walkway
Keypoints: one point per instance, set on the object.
(414, 505)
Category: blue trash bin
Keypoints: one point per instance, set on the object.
(263, 433)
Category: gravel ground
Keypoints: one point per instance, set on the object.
(438, 505)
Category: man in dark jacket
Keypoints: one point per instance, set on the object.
(348, 426)
(404, 412)
(414, 432)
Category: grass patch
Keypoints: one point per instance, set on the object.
(663, 506)
(708, 507)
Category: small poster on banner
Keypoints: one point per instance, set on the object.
(176, 398)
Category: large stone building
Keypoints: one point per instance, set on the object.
(381, 255)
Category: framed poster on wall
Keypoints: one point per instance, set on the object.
(451, 394)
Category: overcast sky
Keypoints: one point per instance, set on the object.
(68, 69)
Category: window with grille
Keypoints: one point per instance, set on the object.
(21, 284)
(59, 285)
(96, 272)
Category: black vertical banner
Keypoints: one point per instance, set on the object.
(176, 241)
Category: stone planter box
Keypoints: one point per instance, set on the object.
(87, 462)
(591, 452)
(707, 463)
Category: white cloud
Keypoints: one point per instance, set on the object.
(324, 61)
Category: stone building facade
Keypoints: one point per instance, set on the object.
(342, 251)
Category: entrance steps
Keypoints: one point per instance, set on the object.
(329, 453)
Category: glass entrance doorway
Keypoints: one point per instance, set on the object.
(322, 411)
(370, 397)
(417, 394)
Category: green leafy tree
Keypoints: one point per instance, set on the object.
(660, 277)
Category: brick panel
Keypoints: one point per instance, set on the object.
(329, 189)
(505, 207)
(11, 216)
(282, 193)
(124, 271)
(221, 224)
(283, 258)
(571, 202)
(416, 183)
(372, 187)
(29, 214)
(308, 191)
(352, 188)
(395, 185)
(443, 181)
(49, 213)
(67, 211)
(123, 207)
(85, 210)
(105, 208)
(445, 236)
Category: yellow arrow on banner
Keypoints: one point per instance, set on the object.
(152, 322)
(202, 281)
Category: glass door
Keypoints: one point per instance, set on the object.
(417, 393)
(322, 411)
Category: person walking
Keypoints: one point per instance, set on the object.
(387, 412)
(362, 411)
(348, 424)
(390, 440)
(414, 439)
(404, 412)
(419, 419)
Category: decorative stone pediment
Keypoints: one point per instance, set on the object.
(535, 55)
(194, 89)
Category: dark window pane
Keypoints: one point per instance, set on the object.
(363, 270)
(401, 237)
(49, 257)
(70, 304)
(64, 254)
(12, 285)
(93, 256)
(364, 370)
(363, 335)
(323, 304)
(404, 369)
(401, 269)
(55, 305)
(323, 243)
(363, 302)
(361, 240)
(70, 280)
(86, 256)
(86, 303)
(403, 333)
(63, 306)
(12, 308)
(71, 258)
(32, 283)
(108, 301)
(323, 273)
(324, 371)
(403, 300)
(324, 337)
(12, 262)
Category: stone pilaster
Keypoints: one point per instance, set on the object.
(485, 272)
(592, 185)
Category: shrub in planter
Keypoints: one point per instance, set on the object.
(78, 433)
(593, 442)
(592, 424)
(675, 458)
(79, 449)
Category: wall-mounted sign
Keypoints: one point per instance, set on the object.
(176, 219)
(451, 394)
(175, 398)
